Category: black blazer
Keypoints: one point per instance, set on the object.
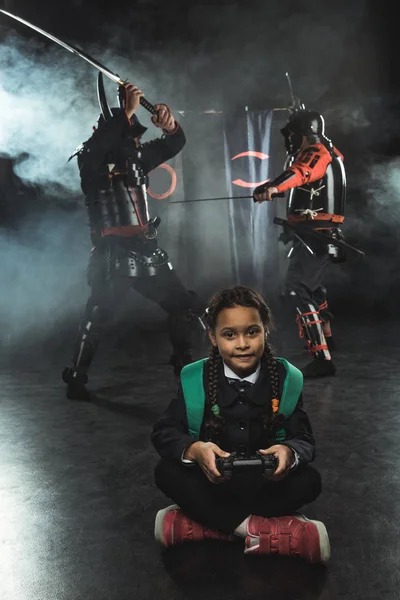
(242, 413)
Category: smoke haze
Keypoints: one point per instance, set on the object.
(195, 57)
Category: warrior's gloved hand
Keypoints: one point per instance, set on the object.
(264, 192)
(163, 118)
(133, 95)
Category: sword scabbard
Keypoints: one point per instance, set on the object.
(319, 236)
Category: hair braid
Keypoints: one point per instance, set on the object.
(274, 418)
(214, 422)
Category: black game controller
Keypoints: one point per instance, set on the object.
(238, 464)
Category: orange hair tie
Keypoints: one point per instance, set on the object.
(275, 405)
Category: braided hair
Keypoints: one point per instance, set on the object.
(229, 298)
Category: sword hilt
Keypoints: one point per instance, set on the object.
(147, 105)
(279, 195)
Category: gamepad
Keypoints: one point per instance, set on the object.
(257, 464)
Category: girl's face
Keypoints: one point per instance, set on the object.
(240, 337)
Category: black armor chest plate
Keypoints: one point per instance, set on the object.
(326, 195)
(120, 198)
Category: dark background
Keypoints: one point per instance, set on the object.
(197, 56)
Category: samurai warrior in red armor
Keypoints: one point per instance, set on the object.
(315, 178)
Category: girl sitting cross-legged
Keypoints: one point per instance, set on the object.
(242, 399)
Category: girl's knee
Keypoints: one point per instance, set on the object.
(167, 473)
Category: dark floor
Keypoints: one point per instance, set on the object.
(77, 499)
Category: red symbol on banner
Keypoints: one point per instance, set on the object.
(248, 184)
(171, 188)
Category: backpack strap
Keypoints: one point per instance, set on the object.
(194, 394)
(195, 397)
(292, 389)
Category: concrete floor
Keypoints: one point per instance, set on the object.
(77, 498)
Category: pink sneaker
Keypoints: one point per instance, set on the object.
(173, 527)
(288, 536)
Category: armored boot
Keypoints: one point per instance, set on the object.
(318, 368)
(76, 389)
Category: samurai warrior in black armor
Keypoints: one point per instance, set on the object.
(113, 167)
(315, 177)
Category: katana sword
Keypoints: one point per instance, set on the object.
(318, 236)
(207, 199)
(297, 104)
(95, 63)
(301, 241)
(222, 198)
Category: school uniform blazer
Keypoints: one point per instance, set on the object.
(242, 412)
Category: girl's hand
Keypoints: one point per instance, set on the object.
(285, 457)
(204, 454)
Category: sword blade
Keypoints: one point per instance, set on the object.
(290, 87)
(222, 198)
(70, 48)
(207, 199)
(95, 63)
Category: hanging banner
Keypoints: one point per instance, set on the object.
(247, 150)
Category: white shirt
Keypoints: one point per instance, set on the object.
(229, 374)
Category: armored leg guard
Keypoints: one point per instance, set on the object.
(326, 317)
(180, 326)
(310, 327)
(88, 337)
